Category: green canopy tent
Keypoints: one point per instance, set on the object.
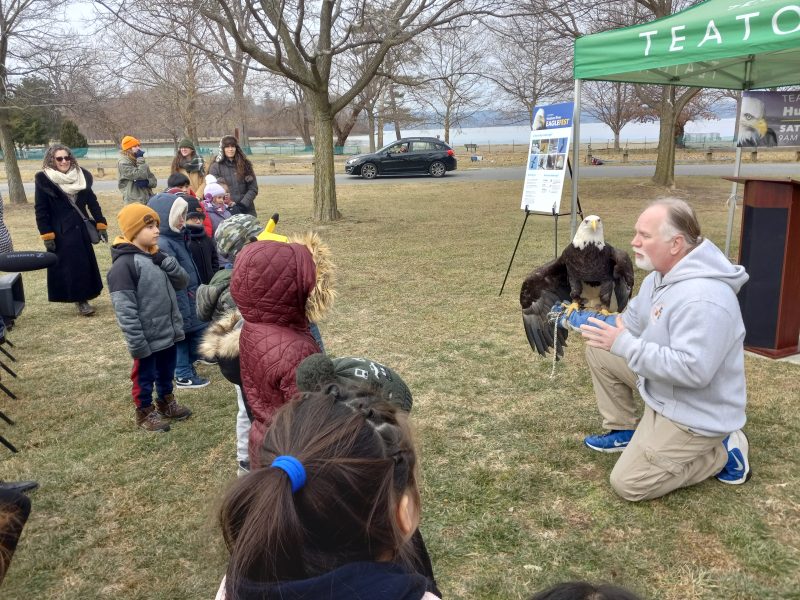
(729, 44)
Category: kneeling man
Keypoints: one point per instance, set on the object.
(680, 344)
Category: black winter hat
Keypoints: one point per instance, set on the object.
(194, 209)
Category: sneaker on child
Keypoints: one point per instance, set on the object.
(612, 441)
(191, 383)
(737, 469)
(244, 468)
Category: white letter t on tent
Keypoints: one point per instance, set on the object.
(648, 35)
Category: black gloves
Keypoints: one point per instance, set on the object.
(139, 153)
(159, 257)
(142, 183)
(50, 245)
(103, 235)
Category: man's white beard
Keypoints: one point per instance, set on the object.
(643, 262)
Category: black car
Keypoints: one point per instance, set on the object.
(408, 155)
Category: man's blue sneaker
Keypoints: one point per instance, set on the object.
(194, 382)
(613, 441)
(737, 469)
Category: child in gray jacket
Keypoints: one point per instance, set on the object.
(142, 282)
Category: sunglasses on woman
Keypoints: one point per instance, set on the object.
(62, 158)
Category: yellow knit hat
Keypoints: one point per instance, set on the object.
(135, 217)
(129, 142)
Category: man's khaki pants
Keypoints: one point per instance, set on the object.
(662, 455)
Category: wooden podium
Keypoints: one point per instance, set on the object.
(770, 251)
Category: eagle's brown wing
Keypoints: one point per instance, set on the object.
(543, 288)
(623, 277)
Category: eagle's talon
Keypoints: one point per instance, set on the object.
(604, 312)
(571, 308)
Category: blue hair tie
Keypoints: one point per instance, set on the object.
(293, 468)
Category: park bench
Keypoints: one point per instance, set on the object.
(471, 147)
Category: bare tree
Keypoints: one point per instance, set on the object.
(613, 103)
(451, 85)
(578, 17)
(229, 59)
(299, 113)
(528, 65)
(304, 41)
(26, 26)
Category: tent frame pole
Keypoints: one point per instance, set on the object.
(576, 158)
(748, 66)
(732, 201)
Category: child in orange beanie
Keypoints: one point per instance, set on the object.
(142, 282)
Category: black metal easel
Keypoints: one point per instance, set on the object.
(555, 216)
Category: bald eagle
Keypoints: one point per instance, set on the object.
(753, 129)
(588, 274)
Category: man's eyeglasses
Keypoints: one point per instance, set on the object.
(62, 158)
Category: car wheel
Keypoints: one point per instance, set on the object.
(369, 171)
(437, 169)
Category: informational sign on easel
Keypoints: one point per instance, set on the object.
(547, 158)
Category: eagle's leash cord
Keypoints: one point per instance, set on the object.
(555, 316)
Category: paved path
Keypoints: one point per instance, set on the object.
(510, 174)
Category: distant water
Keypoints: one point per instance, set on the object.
(595, 133)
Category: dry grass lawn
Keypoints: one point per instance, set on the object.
(512, 501)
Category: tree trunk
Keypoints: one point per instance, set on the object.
(616, 141)
(371, 125)
(447, 125)
(381, 122)
(670, 109)
(240, 107)
(680, 131)
(324, 171)
(665, 160)
(393, 107)
(16, 191)
(305, 128)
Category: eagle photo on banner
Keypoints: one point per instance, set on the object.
(589, 275)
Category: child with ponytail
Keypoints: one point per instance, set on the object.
(333, 514)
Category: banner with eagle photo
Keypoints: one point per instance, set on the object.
(769, 119)
(547, 158)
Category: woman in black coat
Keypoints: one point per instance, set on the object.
(63, 195)
(236, 169)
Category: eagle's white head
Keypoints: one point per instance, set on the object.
(590, 231)
(539, 120)
(752, 121)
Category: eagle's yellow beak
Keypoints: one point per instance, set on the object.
(761, 126)
(594, 225)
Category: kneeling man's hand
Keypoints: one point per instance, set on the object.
(602, 334)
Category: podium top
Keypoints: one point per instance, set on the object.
(768, 179)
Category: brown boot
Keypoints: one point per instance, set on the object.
(148, 419)
(168, 408)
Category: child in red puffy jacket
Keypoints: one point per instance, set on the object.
(278, 288)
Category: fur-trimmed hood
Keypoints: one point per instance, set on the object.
(322, 297)
(221, 340)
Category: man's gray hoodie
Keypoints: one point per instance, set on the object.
(684, 338)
